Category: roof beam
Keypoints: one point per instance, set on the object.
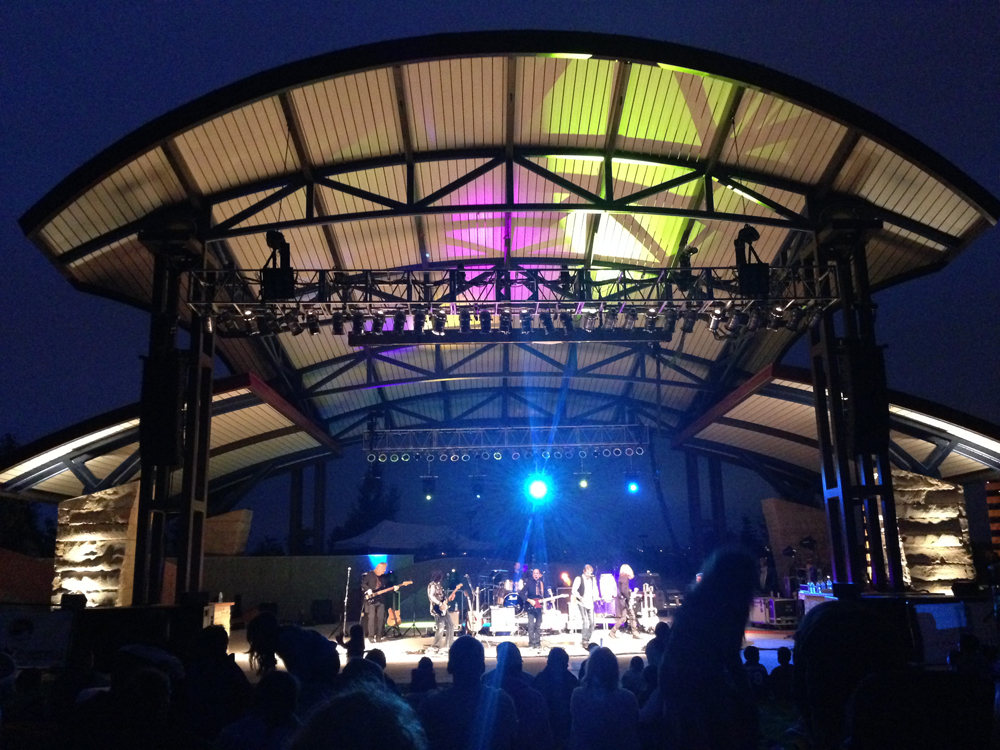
(406, 140)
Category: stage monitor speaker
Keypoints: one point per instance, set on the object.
(866, 398)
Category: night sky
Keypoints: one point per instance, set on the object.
(75, 77)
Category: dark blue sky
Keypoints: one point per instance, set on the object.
(77, 76)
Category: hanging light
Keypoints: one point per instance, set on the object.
(776, 320)
(338, 324)
(814, 319)
(312, 323)
(358, 322)
(669, 321)
(464, 320)
(526, 319)
(631, 318)
(547, 324)
(505, 322)
(736, 324)
(610, 320)
(754, 321)
(795, 317)
(485, 321)
(589, 321)
(398, 321)
(651, 317)
(688, 318)
(440, 321)
(419, 321)
(715, 319)
(292, 321)
(566, 318)
(378, 323)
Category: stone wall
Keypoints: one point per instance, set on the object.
(94, 547)
(934, 532)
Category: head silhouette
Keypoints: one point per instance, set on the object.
(752, 655)
(784, 656)
(602, 670)
(466, 660)
(558, 659)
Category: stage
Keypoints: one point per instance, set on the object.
(402, 654)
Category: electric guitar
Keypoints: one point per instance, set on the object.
(369, 594)
(537, 603)
(473, 618)
(440, 609)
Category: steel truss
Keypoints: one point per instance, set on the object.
(633, 436)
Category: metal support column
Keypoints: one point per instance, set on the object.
(852, 419)
(295, 512)
(193, 501)
(694, 503)
(319, 509)
(717, 498)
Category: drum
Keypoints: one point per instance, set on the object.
(510, 600)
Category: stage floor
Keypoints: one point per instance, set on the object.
(402, 654)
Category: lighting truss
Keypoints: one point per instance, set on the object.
(627, 439)
(617, 296)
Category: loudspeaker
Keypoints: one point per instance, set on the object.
(277, 284)
(866, 398)
(161, 426)
(754, 280)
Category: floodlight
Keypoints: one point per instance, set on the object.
(688, 318)
(398, 321)
(566, 318)
(393, 458)
(795, 318)
(505, 322)
(547, 324)
(631, 484)
(428, 484)
(440, 321)
(378, 323)
(485, 321)
(419, 321)
(526, 318)
(755, 320)
(589, 321)
(669, 321)
(716, 316)
(338, 324)
(651, 317)
(736, 324)
(312, 323)
(814, 319)
(631, 317)
(358, 322)
(464, 321)
(776, 319)
(537, 487)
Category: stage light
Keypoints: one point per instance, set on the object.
(629, 451)
(538, 488)
(589, 321)
(639, 450)
(476, 482)
(669, 321)
(419, 321)
(557, 454)
(440, 321)
(292, 321)
(398, 321)
(651, 317)
(466, 456)
(616, 452)
(464, 321)
(405, 457)
(454, 456)
(688, 318)
(776, 319)
(526, 318)
(632, 485)
(814, 319)
(382, 458)
(358, 322)
(429, 485)
(515, 456)
(443, 457)
(312, 323)
(736, 324)
(505, 322)
(485, 455)
(564, 577)
(610, 320)
(393, 458)
(547, 324)
(754, 321)
(631, 318)
(795, 318)
(430, 457)
(497, 456)
(583, 480)
(546, 454)
(566, 319)
(529, 455)
(582, 453)
(606, 453)
(715, 319)
(371, 458)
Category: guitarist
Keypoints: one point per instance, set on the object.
(534, 594)
(374, 604)
(439, 599)
(585, 594)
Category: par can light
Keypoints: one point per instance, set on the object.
(394, 458)
(497, 456)
(382, 458)
(371, 458)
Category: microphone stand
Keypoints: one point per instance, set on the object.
(347, 588)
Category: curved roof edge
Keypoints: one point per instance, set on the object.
(486, 43)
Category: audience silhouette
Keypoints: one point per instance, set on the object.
(603, 714)
(270, 723)
(556, 684)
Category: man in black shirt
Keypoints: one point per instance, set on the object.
(534, 592)
(374, 604)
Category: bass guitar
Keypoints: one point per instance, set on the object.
(474, 618)
(369, 594)
(440, 609)
(539, 603)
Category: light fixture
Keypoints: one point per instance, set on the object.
(583, 480)
(814, 319)
(631, 484)
(537, 488)
(795, 317)
(526, 318)
(429, 485)
(464, 320)
(419, 321)
(589, 321)
(398, 321)
(566, 318)
(736, 324)
(382, 458)
(610, 320)
(651, 317)
(485, 321)
(477, 485)
(688, 318)
(776, 319)
(338, 324)
(358, 322)
(716, 316)
(378, 323)
(754, 321)
(440, 321)
(393, 458)
(292, 321)
(631, 318)
(505, 322)
(669, 321)
(547, 324)
(312, 323)
(497, 456)
(371, 458)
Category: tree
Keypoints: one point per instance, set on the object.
(21, 529)
(375, 503)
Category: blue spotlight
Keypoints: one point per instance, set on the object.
(538, 488)
(631, 484)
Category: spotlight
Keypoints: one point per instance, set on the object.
(557, 454)
(466, 456)
(485, 455)
(455, 457)
(651, 317)
(814, 319)
(476, 483)
(589, 321)
(382, 458)
(755, 320)
(631, 318)
(485, 321)
(440, 321)
(505, 322)
(795, 318)
(393, 458)
(639, 450)
(616, 452)
(584, 484)
(582, 454)
(358, 322)
(546, 455)
(688, 318)
(312, 323)
(464, 321)
(443, 457)
(497, 456)
(515, 456)
(338, 324)
(405, 457)
(547, 324)
(292, 321)
(529, 455)
(398, 321)
(736, 324)
(430, 457)
(610, 320)
(776, 319)
(378, 323)
(526, 318)
(629, 451)
(428, 484)
(566, 319)
(538, 488)
(371, 458)
(419, 321)
(631, 484)
(716, 316)
(583, 480)
(606, 453)
(669, 321)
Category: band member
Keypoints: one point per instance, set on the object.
(374, 604)
(623, 603)
(585, 594)
(439, 599)
(517, 578)
(535, 593)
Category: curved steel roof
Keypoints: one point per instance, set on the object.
(604, 150)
